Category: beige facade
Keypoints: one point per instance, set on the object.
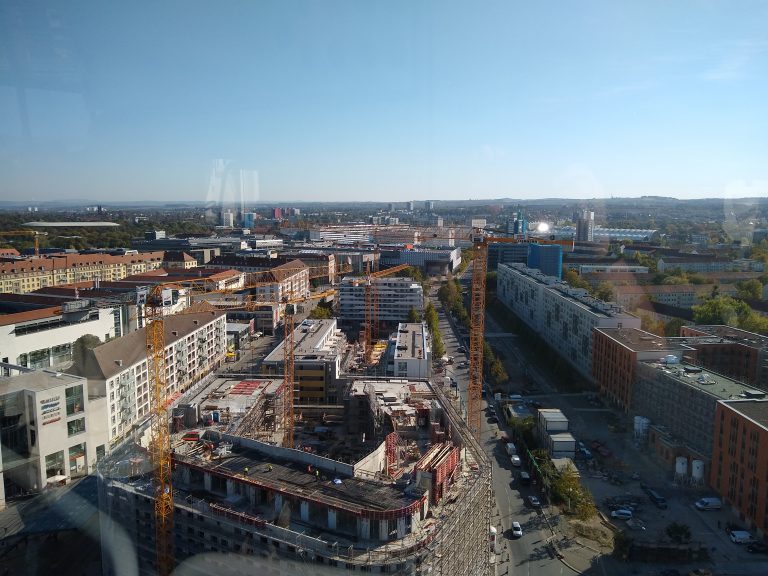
(28, 275)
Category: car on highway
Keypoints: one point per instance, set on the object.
(534, 501)
(517, 530)
(621, 514)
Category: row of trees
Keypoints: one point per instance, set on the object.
(731, 312)
(432, 320)
(604, 290)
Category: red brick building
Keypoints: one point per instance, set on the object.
(735, 353)
(615, 353)
(739, 470)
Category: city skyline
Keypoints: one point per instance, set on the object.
(350, 102)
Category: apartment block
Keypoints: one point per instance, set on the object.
(396, 298)
(195, 344)
(680, 401)
(27, 275)
(318, 352)
(739, 464)
(679, 295)
(736, 353)
(52, 430)
(615, 354)
(562, 316)
(408, 353)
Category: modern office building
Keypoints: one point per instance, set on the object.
(339, 503)
(318, 352)
(408, 353)
(52, 429)
(585, 226)
(739, 466)
(562, 316)
(41, 335)
(430, 260)
(548, 258)
(500, 253)
(396, 298)
(195, 344)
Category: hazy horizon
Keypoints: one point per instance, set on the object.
(347, 101)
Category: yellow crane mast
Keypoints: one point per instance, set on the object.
(27, 233)
(160, 441)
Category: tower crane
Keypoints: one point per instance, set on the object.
(160, 439)
(371, 323)
(480, 242)
(34, 233)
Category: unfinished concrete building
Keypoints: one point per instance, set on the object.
(410, 494)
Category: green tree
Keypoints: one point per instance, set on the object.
(750, 289)
(574, 280)
(721, 310)
(604, 292)
(438, 348)
(413, 315)
(320, 313)
(679, 533)
(81, 347)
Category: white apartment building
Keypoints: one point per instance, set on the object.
(396, 298)
(409, 354)
(43, 337)
(562, 316)
(287, 281)
(195, 344)
(52, 431)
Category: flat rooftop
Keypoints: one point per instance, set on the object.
(353, 494)
(642, 341)
(702, 379)
(735, 334)
(578, 296)
(755, 410)
(238, 395)
(410, 341)
(312, 340)
(38, 381)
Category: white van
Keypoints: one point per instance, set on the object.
(709, 504)
(741, 537)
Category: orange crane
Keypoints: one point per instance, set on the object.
(160, 440)
(27, 233)
(480, 242)
(371, 322)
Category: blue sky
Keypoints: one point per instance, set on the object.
(364, 100)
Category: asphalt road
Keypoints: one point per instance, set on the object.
(529, 554)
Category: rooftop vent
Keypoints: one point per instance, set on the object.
(119, 362)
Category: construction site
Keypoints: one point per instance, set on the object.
(395, 483)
